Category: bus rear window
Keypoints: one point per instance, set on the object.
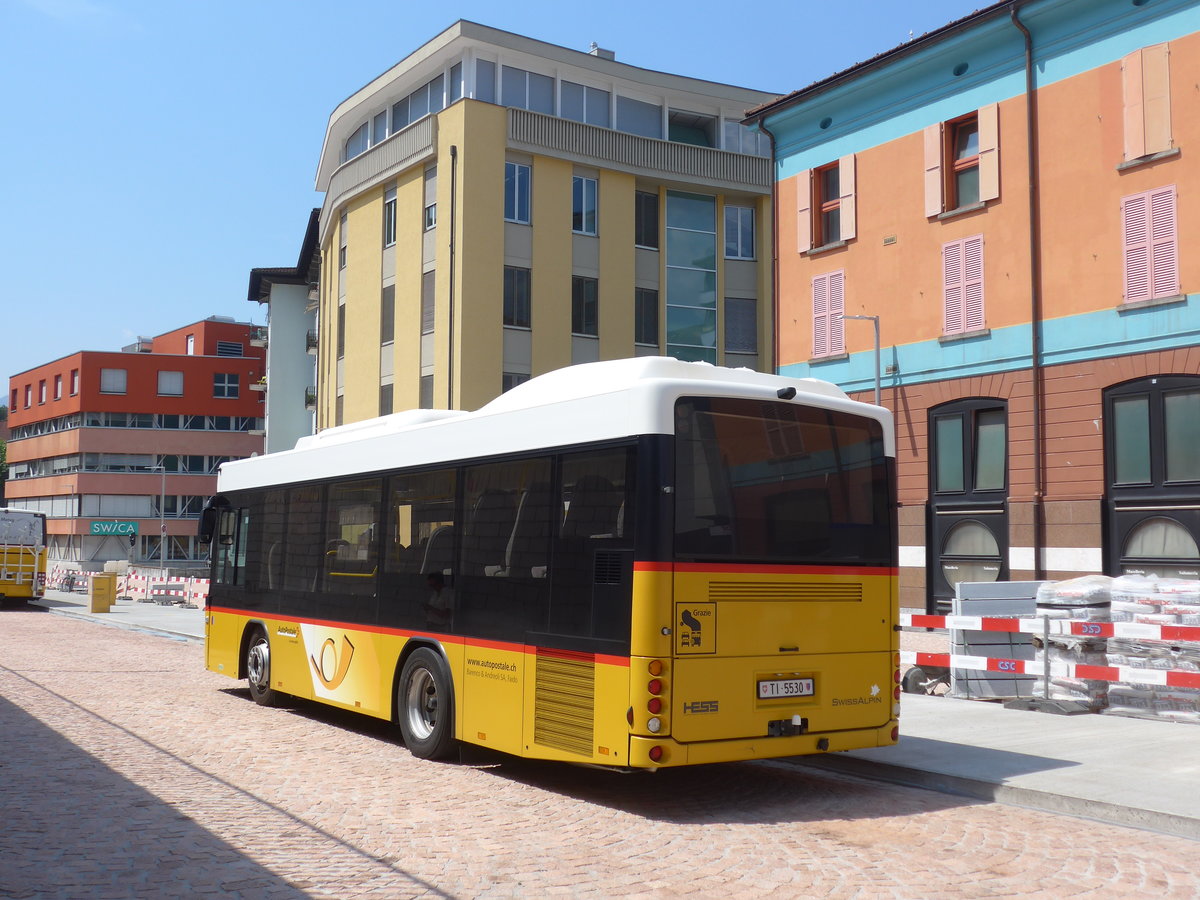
(760, 481)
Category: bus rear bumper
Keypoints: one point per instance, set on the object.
(674, 753)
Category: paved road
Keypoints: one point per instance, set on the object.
(126, 770)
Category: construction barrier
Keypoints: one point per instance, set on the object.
(150, 587)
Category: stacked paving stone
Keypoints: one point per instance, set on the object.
(1155, 601)
(1082, 599)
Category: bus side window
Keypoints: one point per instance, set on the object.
(232, 533)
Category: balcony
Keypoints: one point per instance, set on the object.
(258, 336)
(260, 385)
(310, 343)
(310, 398)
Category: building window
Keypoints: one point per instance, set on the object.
(1148, 227)
(225, 384)
(385, 399)
(740, 138)
(426, 392)
(516, 193)
(1152, 496)
(42, 391)
(639, 117)
(739, 232)
(583, 205)
(389, 218)
(828, 303)
(112, 381)
(510, 380)
(962, 285)
(57, 387)
(968, 457)
(387, 315)
(428, 302)
(526, 90)
(645, 221)
(74, 382)
(1146, 92)
(356, 143)
(584, 318)
(170, 384)
(13, 403)
(581, 103)
(962, 161)
(485, 80)
(741, 325)
(342, 242)
(191, 345)
(516, 297)
(431, 216)
(341, 330)
(645, 316)
(826, 207)
(28, 396)
(691, 276)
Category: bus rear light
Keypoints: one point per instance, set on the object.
(896, 733)
(654, 726)
(655, 686)
(656, 753)
(896, 676)
(655, 705)
(655, 667)
(896, 693)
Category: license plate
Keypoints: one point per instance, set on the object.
(785, 687)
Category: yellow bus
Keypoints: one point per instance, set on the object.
(22, 555)
(639, 563)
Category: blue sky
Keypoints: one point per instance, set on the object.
(154, 151)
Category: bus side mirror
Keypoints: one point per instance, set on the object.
(209, 517)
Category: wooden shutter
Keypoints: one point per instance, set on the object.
(820, 320)
(1135, 229)
(933, 170)
(1156, 98)
(1164, 253)
(952, 287)
(972, 282)
(804, 211)
(846, 199)
(837, 305)
(1131, 90)
(988, 118)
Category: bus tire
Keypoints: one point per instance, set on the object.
(425, 705)
(258, 669)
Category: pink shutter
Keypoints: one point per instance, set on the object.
(804, 211)
(1156, 98)
(846, 199)
(1164, 255)
(820, 328)
(952, 286)
(837, 306)
(972, 282)
(1134, 108)
(988, 118)
(933, 170)
(1135, 228)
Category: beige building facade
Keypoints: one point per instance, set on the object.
(497, 207)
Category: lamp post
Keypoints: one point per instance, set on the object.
(162, 522)
(875, 320)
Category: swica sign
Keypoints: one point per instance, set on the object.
(113, 527)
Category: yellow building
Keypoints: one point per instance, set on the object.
(497, 207)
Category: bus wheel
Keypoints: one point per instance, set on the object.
(258, 669)
(425, 705)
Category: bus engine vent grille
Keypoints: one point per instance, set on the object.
(607, 567)
(565, 701)
(838, 592)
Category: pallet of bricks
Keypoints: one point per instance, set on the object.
(1155, 601)
(1086, 599)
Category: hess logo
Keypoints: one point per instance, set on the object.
(331, 664)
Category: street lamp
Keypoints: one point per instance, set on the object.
(162, 522)
(874, 319)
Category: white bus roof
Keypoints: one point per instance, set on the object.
(575, 405)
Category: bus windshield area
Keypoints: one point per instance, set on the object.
(781, 483)
(20, 528)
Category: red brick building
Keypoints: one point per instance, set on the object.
(114, 444)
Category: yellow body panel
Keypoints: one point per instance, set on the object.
(19, 571)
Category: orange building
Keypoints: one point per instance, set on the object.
(113, 446)
(1008, 197)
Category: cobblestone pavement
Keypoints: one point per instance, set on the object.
(126, 770)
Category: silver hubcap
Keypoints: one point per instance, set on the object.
(421, 704)
(258, 664)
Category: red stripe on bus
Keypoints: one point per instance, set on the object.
(483, 643)
(761, 569)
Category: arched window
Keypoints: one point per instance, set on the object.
(1152, 476)
(967, 533)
